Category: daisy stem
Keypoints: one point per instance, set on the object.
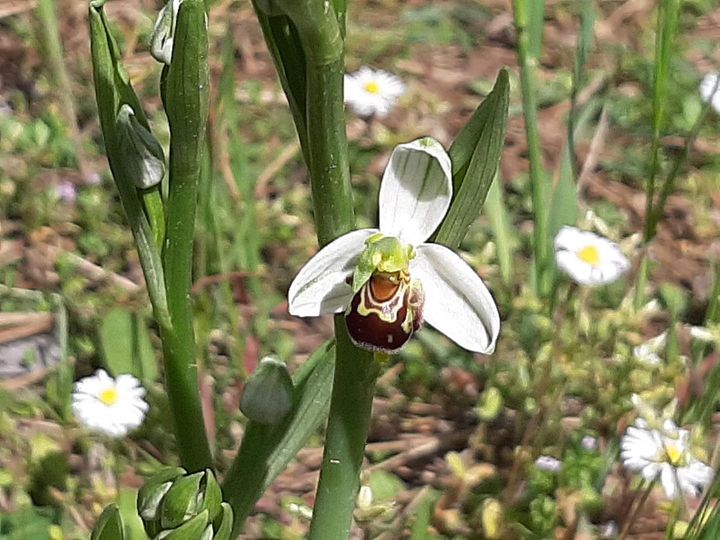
(637, 506)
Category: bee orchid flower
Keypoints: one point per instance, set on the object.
(389, 280)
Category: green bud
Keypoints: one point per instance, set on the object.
(151, 494)
(210, 496)
(144, 157)
(171, 499)
(161, 41)
(109, 525)
(268, 394)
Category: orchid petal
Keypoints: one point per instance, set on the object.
(416, 191)
(457, 302)
(321, 285)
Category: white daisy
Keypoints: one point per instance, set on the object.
(587, 258)
(648, 352)
(388, 280)
(710, 90)
(110, 406)
(371, 92)
(665, 453)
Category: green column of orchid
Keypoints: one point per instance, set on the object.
(319, 26)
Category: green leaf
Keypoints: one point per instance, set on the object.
(423, 516)
(475, 155)
(266, 450)
(126, 345)
(224, 528)
(286, 50)
(109, 525)
(180, 502)
(127, 503)
(211, 495)
(195, 529)
(503, 232)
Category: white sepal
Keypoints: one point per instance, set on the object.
(321, 285)
(457, 302)
(416, 190)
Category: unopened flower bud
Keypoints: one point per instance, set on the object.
(268, 393)
(144, 157)
(161, 41)
(175, 505)
(151, 495)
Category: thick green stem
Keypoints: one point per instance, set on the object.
(355, 370)
(329, 168)
(350, 410)
(186, 107)
(527, 62)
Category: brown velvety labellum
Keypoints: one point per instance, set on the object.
(378, 318)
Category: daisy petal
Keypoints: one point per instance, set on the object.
(321, 285)
(710, 90)
(668, 480)
(457, 302)
(416, 190)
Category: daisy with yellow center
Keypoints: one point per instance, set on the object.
(110, 406)
(665, 453)
(587, 258)
(371, 92)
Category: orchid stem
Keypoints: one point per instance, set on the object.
(186, 107)
(321, 34)
(348, 424)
